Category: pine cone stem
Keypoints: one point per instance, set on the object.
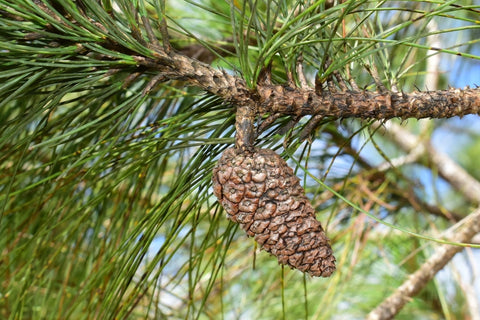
(245, 129)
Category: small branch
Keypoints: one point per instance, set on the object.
(447, 168)
(461, 181)
(417, 281)
(195, 73)
(165, 37)
(472, 303)
(244, 128)
(300, 74)
(134, 28)
(150, 34)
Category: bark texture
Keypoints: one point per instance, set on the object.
(370, 105)
(285, 100)
(259, 191)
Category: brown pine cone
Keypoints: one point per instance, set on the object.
(260, 192)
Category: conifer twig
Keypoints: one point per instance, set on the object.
(469, 227)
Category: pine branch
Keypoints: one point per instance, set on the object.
(286, 100)
(279, 99)
(417, 281)
(372, 105)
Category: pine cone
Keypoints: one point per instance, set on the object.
(260, 192)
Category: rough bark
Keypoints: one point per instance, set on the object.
(285, 100)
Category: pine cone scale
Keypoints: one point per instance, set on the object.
(259, 191)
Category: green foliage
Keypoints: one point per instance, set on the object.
(107, 211)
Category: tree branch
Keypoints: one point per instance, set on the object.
(417, 281)
(370, 105)
(447, 168)
(286, 100)
(461, 181)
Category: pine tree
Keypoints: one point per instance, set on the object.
(129, 130)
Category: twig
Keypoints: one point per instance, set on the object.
(417, 281)
(152, 83)
(267, 122)
(310, 127)
(472, 303)
(341, 82)
(136, 32)
(164, 31)
(461, 181)
(50, 12)
(447, 168)
(245, 128)
(150, 34)
(300, 74)
(373, 71)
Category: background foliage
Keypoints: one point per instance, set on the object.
(105, 173)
